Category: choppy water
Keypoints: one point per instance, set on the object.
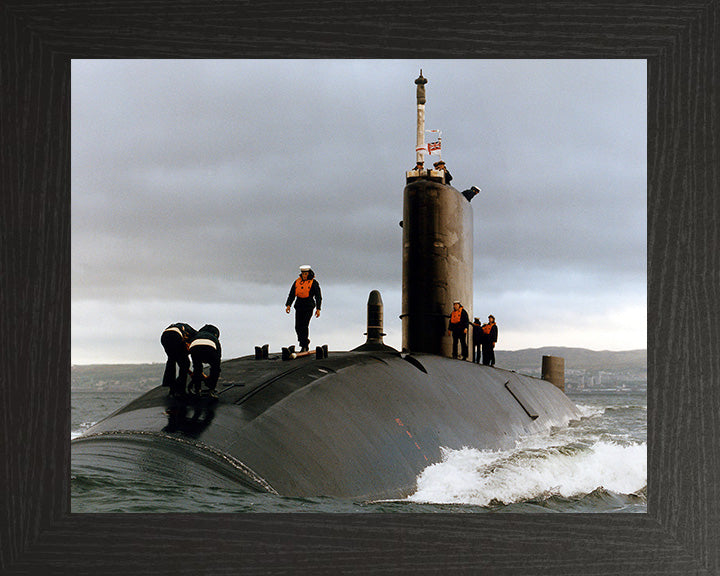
(597, 464)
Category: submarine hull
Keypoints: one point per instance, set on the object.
(359, 424)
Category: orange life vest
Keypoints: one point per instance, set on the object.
(456, 315)
(487, 327)
(302, 288)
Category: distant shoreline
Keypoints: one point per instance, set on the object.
(585, 370)
(543, 351)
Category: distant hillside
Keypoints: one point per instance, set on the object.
(575, 359)
(584, 369)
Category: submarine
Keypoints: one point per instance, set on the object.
(360, 424)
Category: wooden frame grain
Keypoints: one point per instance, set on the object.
(680, 534)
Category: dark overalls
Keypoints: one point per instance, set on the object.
(205, 349)
(175, 339)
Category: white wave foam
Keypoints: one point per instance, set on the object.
(590, 411)
(84, 426)
(476, 477)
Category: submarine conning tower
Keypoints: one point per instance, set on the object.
(437, 251)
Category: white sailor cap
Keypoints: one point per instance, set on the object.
(456, 301)
(305, 268)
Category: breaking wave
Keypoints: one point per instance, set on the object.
(536, 473)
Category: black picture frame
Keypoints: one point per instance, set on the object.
(680, 534)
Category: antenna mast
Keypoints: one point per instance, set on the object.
(420, 145)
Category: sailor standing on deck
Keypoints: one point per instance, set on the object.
(205, 349)
(175, 340)
(477, 338)
(305, 291)
(490, 336)
(458, 327)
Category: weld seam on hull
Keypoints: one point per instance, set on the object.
(531, 413)
(232, 461)
(264, 385)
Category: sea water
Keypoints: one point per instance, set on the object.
(596, 464)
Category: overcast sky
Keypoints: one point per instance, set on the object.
(200, 186)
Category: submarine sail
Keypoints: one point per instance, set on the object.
(362, 423)
(437, 266)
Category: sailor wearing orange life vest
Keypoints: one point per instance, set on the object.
(305, 291)
(458, 327)
(490, 336)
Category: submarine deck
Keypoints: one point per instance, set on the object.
(359, 424)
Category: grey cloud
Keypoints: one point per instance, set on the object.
(192, 180)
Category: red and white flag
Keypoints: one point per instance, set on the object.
(434, 148)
